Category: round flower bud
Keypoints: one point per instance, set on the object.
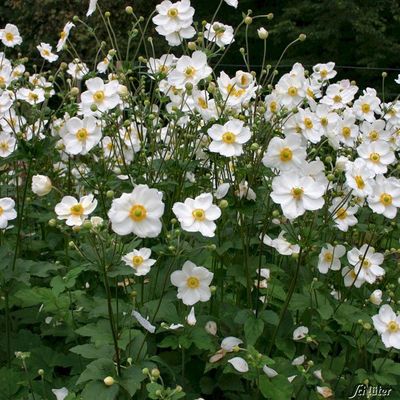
(145, 371)
(262, 33)
(302, 37)
(254, 146)
(211, 328)
(212, 247)
(248, 20)
(223, 204)
(110, 194)
(178, 389)
(155, 373)
(74, 91)
(40, 372)
(107, 14)
(270, 16)
(52, 222)
(129, 10)
(384, 74)
(87, 224)
(93, 107)
(75, 18)
(109, 381)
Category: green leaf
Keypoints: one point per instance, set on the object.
(91, 351)
(97, 370)
(99, 391)
(253, 328)
(270, 317)
(277, 388)
(131, 379)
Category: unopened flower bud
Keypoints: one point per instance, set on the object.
(109, 381)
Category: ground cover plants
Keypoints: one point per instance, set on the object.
(173, 230)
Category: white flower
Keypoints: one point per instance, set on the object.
(338, 95)
(271, 373)
(92, 7)
(232, 3)
(300, 333)
(324, 72)
(222, 190)
(329, 258)
(143, 322)
(343, 214)
(219, 33)
(189, 70)
(359, 177)
(281, 245)
(211, 328)
(103, 95)
(81, 135)
(228, 139)
(102, 66)
(239, 363)
(161, 65)
(96, 222)
(377, 155)
(290, 89)
(140, 261)
(366, 263)
(8, 144)
(385, 196)
(172, 17)
(45, 51)
(64, 35)
(10, 36)
(285, 154)
(366, 105)
(33, 97)
(193, 283)
(191, 318)
(387, 324)
(376, 297)
(138, 212)
(77, 69)
(296, 194)
(262, 33)
(41, 185)
(60, 394)
(73, 211)
(325, 391)
(230, 343)
(7, 211)
(245, 191)
(299, 360)
(198, 215)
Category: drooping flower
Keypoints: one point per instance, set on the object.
(191, 318)
(376, 297)
(228, 139)
(232, 3)
(300, 333)
(92, 7)
(64, 34)
(387, 324)
(7, 211)
(75, 212)
(193, 283)
(138, 212)
(140, 261)
(281, 245)
(143, 322)
(198, 215)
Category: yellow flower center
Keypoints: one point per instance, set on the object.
(193, 282)
(310, 93)
(9, 37)
(328, 257)
(63, 35)
(286, 154)
(393, 326)
(77, 209)
(337, 99)
(346, 131)
(190, 72)
(4, 146)
(202, 103)
(341, 213)
(137, 260)
(308, 123)
(324, 121)
(386, 199)
(374, 157)
(374, 135)
(292, 91)
(229, 137)
(163, 69)
(235, 92)
(323, 73)
(33, 96)
(173, 12)
(359, 182)
(365, 108)
(98, 96)
(297, 193)
(199, 214)
(45, 52)
(366, 264)
(82, 134)
(273, 106)
(1, 210)
(137, 213)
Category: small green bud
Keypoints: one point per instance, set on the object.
(155, 373)
(302, 37)
(129, 10)
(93, 107)
(52, 222)
(248, 20)
(223, 204)
(110, 194)
(145, 371)
(40, 372)
(107, 14)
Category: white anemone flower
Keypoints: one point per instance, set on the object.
(228, 139)
(81, 135)
(64, 34)
(75, 212)
(7, 211)
(385, 197)
(45, 51)
(10, 36)
(140, 261)
(281, 245)
(329, 258)
(193, 283)
(198, 215)
(232, 3)
(138, 212)
(92, 7)
(8, 144)
(61, 393)
(41, 185)
(377, 155)
(387, 324)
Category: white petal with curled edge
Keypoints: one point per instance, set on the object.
(60, 394)
(230, 342)
(144, 322)
(239, 364)
(271, 373)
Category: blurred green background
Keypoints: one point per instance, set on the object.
(361, 36)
